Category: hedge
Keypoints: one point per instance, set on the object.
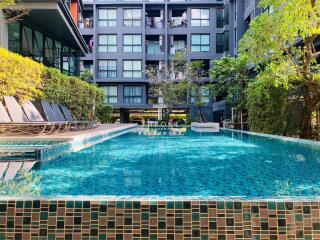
(28, 80)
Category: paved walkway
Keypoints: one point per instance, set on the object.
(71, 135)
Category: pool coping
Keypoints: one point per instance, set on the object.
(284, 138)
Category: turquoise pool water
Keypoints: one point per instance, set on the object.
(181, 162)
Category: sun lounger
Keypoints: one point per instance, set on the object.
(19, 122)
(80, 124)
(27, 166)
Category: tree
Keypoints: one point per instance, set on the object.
(195, 73)
(282, 39)
(230, 76)
(164, 85)
(6, 3)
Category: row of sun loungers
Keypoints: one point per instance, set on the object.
(28, 120)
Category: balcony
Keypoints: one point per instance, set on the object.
(87, 23)
(154, 22)
(178, 18)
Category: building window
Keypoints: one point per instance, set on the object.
(200, 17)
(179, 45)
(26, 41)
(200, 42)
(222, 44)
(14, 37)
(107, 68)
(107, 17)
(204, 93)
(107, 43)
(132, 94)
(132, 43)
(226, 14)
(38, 46)
(132, 69)
(220, 18)
(111, 94)
(132, 17)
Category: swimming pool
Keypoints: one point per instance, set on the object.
(180, 162)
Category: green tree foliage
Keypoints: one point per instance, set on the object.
(163, 85)
(230, 76)
(6, 3)
(20, 76)
(283, 40)
(78, 95)
(104, 114)
(194, 81)
(267, 104)
(28, 80)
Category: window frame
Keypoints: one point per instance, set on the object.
(130, 97)
(132, 45)
(107, 20)
(107, 70)
(132, 20)
(108, 96)
(200, 19)
(200, 45)
(132, 71)
(107, 45)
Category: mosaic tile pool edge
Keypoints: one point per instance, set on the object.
(200, 220)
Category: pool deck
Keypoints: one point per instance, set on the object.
(63, 142)
(72, 135)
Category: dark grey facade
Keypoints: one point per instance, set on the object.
(127, 36)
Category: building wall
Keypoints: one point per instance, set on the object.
(166, 31)
(181, 219)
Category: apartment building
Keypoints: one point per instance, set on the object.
(125, 37)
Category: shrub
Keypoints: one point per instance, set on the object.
(26, 79)
(79, 96)
(104, 114)
(267, 104)
(20, 76)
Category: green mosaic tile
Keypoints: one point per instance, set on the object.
(145, 216)
(120, 205)
(229, 205)
(195, 216)
(298, 217)
(128, 205)
(178, 205)
(247, 216)
(220, 205)
(272, 206)
(170, 205)
(281, 206)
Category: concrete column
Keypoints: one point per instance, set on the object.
(3, 31)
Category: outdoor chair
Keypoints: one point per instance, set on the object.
(84, 124)
(14, 121)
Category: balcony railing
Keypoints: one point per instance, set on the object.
(154, 48)
(86, 23)
(178, 22)
(154, 22)
(174, 50)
